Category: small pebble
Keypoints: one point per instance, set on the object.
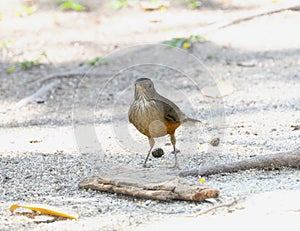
(39, 100)
(215, 142)
(158, 152)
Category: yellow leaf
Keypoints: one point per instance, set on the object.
(201, 180)
(45, 209)
(221, 89)
(162, 8)
(186, 45)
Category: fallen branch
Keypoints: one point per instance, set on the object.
(267, 162)
(252, 15)
(148, 184)
(35, 95)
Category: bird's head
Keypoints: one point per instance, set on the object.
(144, 88)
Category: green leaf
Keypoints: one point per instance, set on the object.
(29, 64)
(11, 69)
(44, 54)
(184, 42)
(192, 4)
(199, 38)
(71, 5)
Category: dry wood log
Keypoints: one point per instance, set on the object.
(267, 162)
(148, 184)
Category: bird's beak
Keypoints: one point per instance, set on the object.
(138, 87)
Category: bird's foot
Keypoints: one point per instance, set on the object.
(175, 151)
(145, 166)
(175, 167)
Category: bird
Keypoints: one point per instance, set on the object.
(155, 116)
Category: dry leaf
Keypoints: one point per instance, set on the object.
(251, 63)
(221, 89)
(45, 209)
(149, 6)
(34, 141)
(295, 127)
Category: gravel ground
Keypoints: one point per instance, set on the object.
(42, 159)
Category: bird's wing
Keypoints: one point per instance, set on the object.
(171, 111)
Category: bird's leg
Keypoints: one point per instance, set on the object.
(151, 142)
(173, 141)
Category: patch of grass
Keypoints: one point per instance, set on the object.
(184, 43)
(71, 5)
(25, 65)
(192, 4)
(97, 61)
(29, 64)
(118, 4)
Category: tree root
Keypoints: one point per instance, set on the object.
(44, 89)
(252, 15)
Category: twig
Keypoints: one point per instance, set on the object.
(215, 207)
(268, 161)
(257, 13)
(35, 95)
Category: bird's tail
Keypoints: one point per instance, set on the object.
(189, 121)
